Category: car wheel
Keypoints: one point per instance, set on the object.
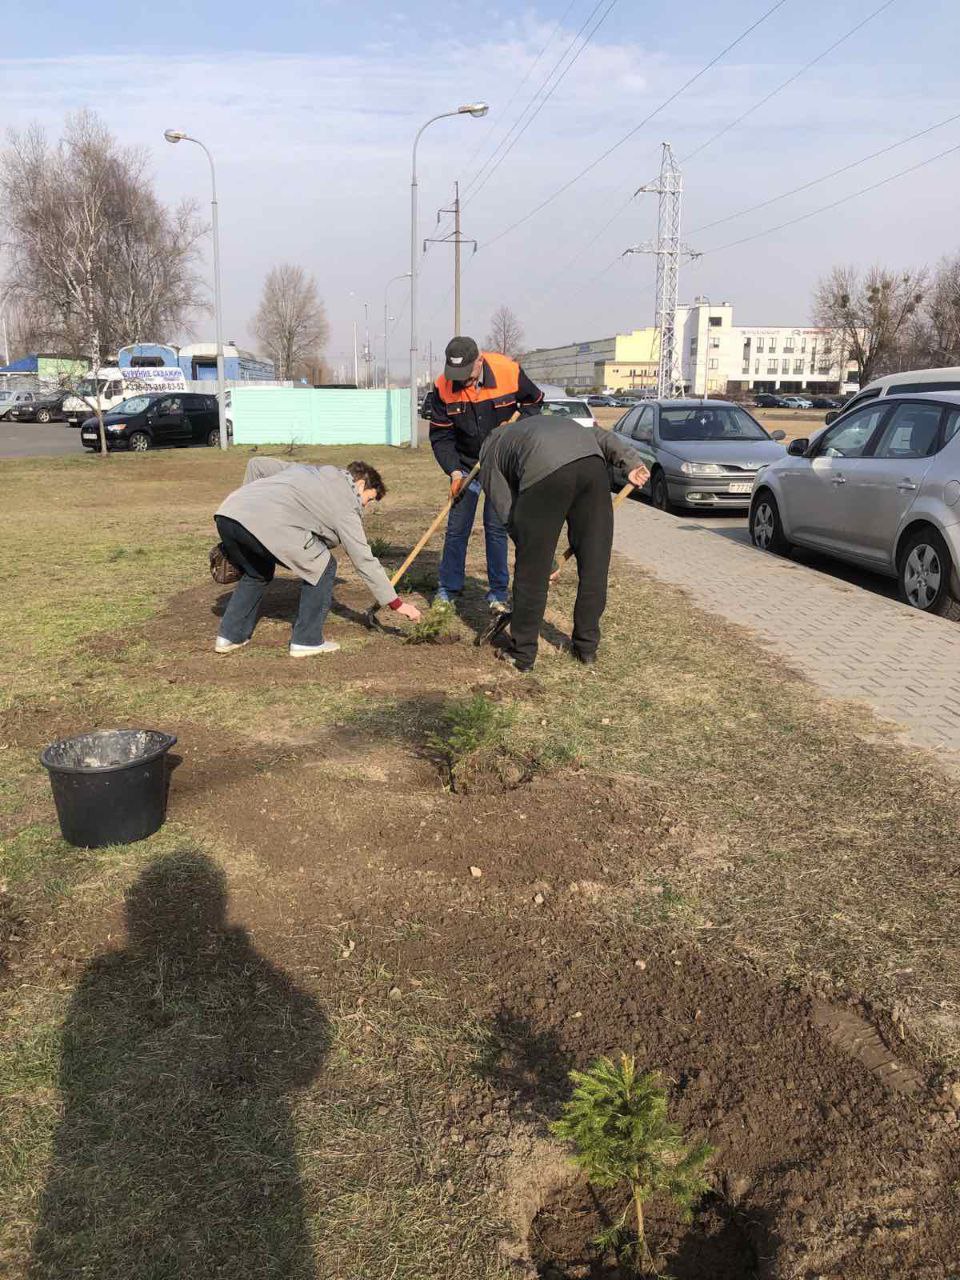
(43, 415)
(139, 442)
(925, 572)
(213, 438)
(766, 527)
(659, 493)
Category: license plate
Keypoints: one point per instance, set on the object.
(88, 435)
(739, 488)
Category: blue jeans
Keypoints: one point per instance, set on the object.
(453, 563)
(258, 565)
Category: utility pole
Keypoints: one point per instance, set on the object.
(367, 353)
(457, 240)
(668, 251)
(356, 363)
(456, 263)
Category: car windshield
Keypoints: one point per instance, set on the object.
(136, 404)
(89, 388)
(567, 408)
(709, 422)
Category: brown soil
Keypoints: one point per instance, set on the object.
(724, 1242)
(180, 642)
(836, 1153)
(847, 1160)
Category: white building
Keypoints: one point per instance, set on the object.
(716, 357)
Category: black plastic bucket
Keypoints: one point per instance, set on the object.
(109, 787)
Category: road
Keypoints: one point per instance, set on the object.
(32, 439)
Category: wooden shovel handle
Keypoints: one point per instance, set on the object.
(435, 525)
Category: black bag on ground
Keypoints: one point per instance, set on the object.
(222, 570)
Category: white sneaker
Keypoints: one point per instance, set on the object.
(223, 645)
(308, 650)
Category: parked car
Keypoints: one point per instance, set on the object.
(797, 402)
(565, 407)
(426, 404)
(601, 402)
(767, 400)
(898, 384)
(44, 408)
(144, 422)
(880, 487)
(706, 453)
(10, 400)
(824, 402)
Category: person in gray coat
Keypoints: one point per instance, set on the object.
(291, 514)
(540, 473)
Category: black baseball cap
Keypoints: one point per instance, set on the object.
(461, 355)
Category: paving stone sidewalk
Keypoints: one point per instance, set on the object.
(847, 641)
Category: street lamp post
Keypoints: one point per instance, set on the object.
(177, 135)
(386, 325)
(475, 109)
(3, 321)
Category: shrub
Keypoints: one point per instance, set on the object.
(473, 730)
(617, 1123)
(436, 626)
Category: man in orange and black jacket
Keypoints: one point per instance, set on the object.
(477, 392)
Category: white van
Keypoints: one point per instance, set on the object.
(115, 385)
(901, 384)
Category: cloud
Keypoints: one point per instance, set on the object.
(313, 163)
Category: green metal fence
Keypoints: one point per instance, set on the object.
(281, 415)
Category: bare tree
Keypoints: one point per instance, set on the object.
(95, 259)
(871, 316)
(291, 322)
(935, 333)
(506, 332)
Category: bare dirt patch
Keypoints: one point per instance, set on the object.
(847, 1174)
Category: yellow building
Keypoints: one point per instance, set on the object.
(625, 362)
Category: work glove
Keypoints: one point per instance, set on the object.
(456, 484)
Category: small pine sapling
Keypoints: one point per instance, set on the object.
(617, 1123)
(436, 626)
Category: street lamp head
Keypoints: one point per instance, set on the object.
(174, 135)
(473, 109)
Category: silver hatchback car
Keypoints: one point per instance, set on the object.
(879, 487)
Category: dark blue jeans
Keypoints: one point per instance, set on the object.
(258, 564)
(453, 563)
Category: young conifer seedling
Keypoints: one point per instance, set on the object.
(617, 1123)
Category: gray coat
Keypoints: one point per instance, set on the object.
(299, 512)
(520, 455)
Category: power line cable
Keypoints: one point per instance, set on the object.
(834, 173)
(732, 125)
(636, 129)
(550, 92)
(539, 108)
(516, 93)
(803, 217)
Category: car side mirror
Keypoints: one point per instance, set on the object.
(778, 435)
(798, 448)
(831, 416)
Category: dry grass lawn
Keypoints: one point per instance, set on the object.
(794, 838)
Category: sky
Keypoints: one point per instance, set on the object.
(310, 110)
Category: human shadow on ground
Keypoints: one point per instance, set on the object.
(527, 1062)
(175, 1154)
